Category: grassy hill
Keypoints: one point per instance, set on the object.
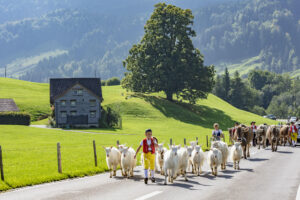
(30, 97)
(30, 153)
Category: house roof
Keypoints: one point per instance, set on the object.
(58, 86)
(8, 105)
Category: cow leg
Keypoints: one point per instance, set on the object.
(248, 150)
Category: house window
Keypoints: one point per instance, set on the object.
(93, 114)
(73, 113)
(63, 114)
(92, 102)
(63, 102)
(78, 91)
(73, 102)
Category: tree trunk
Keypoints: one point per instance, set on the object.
(169, 95)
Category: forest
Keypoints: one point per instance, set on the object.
(72, 38)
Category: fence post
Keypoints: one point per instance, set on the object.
(59, 158)
(207, 141)
(170, 141)
(1, 165)
(118, 143)
(224, 138)
(197, 140)
(184, 141)
(95, 153)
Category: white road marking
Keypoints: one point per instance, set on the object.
(147, 196)
(298, 194)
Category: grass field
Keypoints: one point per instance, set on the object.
(30, 153)
(30, 97)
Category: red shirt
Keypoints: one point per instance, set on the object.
(293, 129)
(146, 147)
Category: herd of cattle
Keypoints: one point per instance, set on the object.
(177, 159)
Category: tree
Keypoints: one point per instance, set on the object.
(219, 87)
(237, 91)
(226, 82)
(113, 81)
(166, 59)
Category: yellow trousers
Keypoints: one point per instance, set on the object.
(149, 161)
(294, 136)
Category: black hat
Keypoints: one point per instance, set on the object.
(148, 130)
(253, 122)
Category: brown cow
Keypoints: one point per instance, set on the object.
(244, 135)
(273, 136)
(261, 135)
(284, 135)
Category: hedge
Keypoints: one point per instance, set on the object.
(18, 118)
(113, 81)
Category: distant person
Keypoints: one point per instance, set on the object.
(254, 128)
(236, 125)
(149, 144)
(217, 133)
(294, 133)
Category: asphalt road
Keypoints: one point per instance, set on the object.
(264, 176)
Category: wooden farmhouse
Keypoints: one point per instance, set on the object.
(76, 101)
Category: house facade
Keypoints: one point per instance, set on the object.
(76, 101)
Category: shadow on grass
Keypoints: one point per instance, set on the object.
(188, 113)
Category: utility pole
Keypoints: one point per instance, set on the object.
(5, 72)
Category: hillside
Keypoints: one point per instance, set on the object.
(150, 110)
(81, 38)
(29, 97)
(35, 149)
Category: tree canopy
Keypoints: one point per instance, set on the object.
(166, 59)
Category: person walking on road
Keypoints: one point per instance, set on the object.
(294, 133)
(217, 133)
(254, 128)
(149, 145)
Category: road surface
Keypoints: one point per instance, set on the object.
(264, 176)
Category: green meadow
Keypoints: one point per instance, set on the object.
(30, 153)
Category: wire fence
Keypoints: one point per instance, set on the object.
(61, 156)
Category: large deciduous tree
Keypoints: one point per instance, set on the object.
(166, 59)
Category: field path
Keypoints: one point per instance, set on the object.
(264, 176)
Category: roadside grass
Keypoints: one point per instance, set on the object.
(30, 154)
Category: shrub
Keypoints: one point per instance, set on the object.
(258, 110)
(103, 83)
(110, 118)
(17, 118)
(113, 81)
